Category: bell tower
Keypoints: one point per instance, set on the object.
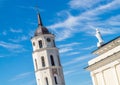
(48, 69)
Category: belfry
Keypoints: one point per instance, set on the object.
(47, 65)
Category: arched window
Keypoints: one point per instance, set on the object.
(52, 60)
(36, 64)
(40, 43)
(43, 61)
(55, 79)
(59, 60)
(46, 80)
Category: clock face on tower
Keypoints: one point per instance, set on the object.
(48, 40)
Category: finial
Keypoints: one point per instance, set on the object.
(99, 37)
(39, 17)
(39, 20)
(41, 29)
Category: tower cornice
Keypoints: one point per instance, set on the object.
(43, 49)
(50, 67)
(42, 35)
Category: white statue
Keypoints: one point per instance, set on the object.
(99, 37)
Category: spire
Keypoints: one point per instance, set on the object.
(38, 16)
(41, 29)
(99, 37)
(39, 20)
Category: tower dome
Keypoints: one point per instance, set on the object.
(41, 29)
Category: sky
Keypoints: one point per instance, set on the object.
(72, 21)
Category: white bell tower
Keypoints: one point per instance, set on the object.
(48, 69)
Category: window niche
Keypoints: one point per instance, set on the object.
(46, 80)
(43, 61)
(36, 65)
(52, 60)
(40, 43)
(55, 78)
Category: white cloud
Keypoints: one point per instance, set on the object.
(24, 38)
(85, 21)
(78, 59)
(6, 55)
(16, 30)
(63, 35)
(27, 7)
(75, 67)
(108, 31)
(114, 20)
(67, 28)
(10, 45)
(31, 33)
(1, 56)
(72, 53)
(75, 4)
(64, 50)
(13, 47)
(67, 47)
(89, 48)
(21, 76)
(32, 82)
(4, 33)
(115, 4)
(30, 8)
(68, 72)
(19, 39)
(110, 6)
(87, 82)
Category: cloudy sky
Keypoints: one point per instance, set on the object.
(72, 21)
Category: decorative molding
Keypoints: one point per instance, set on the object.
(104, 61)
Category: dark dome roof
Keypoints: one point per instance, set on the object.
(41, 30)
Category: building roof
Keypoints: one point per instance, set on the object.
(104, 45)
(102, 62)
(41, 29)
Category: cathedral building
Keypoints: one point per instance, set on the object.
(105, 68)
(47, 65)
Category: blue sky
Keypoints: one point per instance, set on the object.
(72, 21)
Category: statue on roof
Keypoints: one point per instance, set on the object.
(99, 37)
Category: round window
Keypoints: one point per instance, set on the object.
(48, 40)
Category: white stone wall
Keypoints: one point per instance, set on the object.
(48, 49)
(107, 75)
(44, 42)
(105, 68)
(106, 54)
(41, 75)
